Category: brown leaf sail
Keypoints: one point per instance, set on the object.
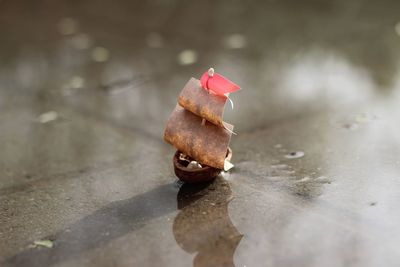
(197, 100)
(207, 144)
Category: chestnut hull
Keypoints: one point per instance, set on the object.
(200, 175)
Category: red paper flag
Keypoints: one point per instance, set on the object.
(217, 83)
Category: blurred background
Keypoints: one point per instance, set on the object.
(86, 88)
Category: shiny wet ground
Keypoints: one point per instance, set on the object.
(86, 88)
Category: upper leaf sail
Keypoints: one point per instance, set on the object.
(197, 100)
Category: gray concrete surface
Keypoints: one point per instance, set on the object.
(95, 177)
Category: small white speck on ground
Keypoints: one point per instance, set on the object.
(43, 243)
(100, 54)
(47, 117)
(75, 83)
(322, 179)
(303, 180)
(278, 146)
(280, 167)
(187, 57)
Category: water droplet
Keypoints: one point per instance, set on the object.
(187, 57)
(47, 117)
(295, 155)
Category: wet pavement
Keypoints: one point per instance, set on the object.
(86, 89)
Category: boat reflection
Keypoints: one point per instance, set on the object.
(203, 225)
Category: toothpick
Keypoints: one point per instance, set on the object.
(210, 75)
(230, 100)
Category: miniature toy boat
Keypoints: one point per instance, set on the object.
(196, 129)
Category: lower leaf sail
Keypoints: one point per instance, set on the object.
(207, 144)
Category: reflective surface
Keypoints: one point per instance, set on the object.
(86, 89)
(203, 226)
